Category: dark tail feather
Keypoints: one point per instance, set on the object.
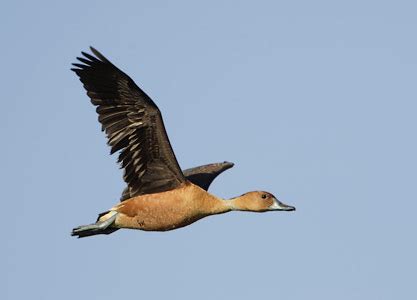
(86, 230)
(100, 227)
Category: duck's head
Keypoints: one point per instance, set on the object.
(259, 201)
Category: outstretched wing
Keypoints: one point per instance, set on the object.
(202, 176)
(133, 124)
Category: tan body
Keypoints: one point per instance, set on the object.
(167, 210)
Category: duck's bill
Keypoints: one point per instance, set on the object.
(281, 206)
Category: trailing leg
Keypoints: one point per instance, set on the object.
(100, 227)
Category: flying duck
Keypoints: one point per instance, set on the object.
(159, 196)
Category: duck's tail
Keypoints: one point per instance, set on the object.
(100, 227)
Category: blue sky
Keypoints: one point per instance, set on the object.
(314, 101)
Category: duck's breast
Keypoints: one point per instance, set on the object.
(159, 212)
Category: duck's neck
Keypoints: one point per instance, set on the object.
(220, 206)
(238, 203)
(211, 205)
(217, 206)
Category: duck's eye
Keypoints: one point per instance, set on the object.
(264, 196)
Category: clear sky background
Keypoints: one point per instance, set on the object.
(314, 101)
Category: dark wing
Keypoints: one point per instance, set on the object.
(202, 176)
(133, 124)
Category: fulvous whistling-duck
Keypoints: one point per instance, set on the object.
(159, 196)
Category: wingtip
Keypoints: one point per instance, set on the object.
(99, 55)
(81, 66)
(228, 164)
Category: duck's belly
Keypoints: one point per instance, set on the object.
(139, 213)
